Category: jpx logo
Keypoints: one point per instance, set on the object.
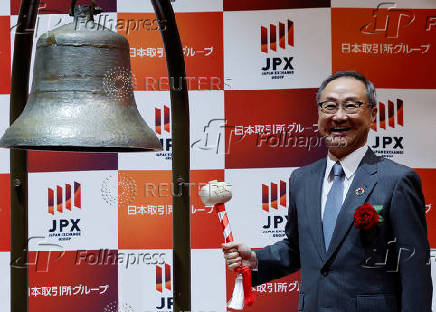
(163, 285)
(389, 123)
(62, 201)
(272, 195)
(270, 40)
(388, 20)
(275, 38)
(162, 128)
(64, 198)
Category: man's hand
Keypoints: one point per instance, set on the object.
(238, 254)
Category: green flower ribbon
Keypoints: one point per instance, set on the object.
(379, 208)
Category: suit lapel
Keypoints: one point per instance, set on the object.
(365, 178)
(312, 189)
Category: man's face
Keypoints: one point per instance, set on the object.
(343, 132)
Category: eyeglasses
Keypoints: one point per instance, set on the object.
(332, 107)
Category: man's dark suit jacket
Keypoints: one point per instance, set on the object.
(384, 271)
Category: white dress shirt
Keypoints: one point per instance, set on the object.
(349, 163)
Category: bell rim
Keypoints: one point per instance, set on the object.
(82, 149)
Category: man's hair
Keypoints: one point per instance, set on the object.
(370, 90)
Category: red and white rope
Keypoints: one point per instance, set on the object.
(224, 220)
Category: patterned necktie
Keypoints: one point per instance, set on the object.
(333, 204)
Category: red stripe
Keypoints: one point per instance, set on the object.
(391, 114)
(265, 197)
(59, 198)
(68, 196)
(400, 112)
(273, 37)
(158, 278)
(274, 195)
(166, 118)
(382, 114)
(167, 276)
(283, 193)
(77, 195)
(50, 201)
(157, 120)
(291, 33)
(282, 40)
(263, 39)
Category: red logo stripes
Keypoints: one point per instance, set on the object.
(162, 279)
(158, 119)
(389, 118)
(68, 199)
(272, 196)
(271, 34)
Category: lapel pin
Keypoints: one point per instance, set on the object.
(359, 191)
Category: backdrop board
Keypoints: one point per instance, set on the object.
(100, 225)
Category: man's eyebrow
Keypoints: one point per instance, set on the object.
(351, 98)
(348, 98)
(329, 98)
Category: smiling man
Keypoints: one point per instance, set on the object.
(356, 222)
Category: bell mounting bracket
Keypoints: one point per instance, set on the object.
(93, 5)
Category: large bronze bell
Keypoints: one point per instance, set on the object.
(82, 94)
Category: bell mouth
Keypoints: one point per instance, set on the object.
(84, 149)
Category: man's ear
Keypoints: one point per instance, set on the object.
(374, 114)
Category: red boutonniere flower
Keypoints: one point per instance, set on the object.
(366, 217)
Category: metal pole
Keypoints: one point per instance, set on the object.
(18, 158)
(180, 154)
